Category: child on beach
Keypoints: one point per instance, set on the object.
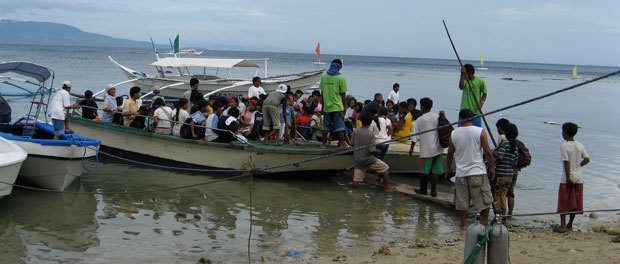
(570, 194)
(505, 167)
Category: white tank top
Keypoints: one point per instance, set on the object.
(468, 151)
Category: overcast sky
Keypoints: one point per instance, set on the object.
(571, 32)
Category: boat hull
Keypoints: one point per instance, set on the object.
(53, 167)
(8, 174)
(11, 161)
(302, 83)
(208, 154)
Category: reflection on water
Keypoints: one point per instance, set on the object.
(45, 221)
(315, 216)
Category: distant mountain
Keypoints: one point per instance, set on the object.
(47, 33)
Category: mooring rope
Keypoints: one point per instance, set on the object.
(128, 192)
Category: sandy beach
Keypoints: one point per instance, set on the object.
(527, 245)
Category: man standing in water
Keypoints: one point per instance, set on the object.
(431, 151)
(394, 95)
(334, 91)
(474, 92)
(469, 143)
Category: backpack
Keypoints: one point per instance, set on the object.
(186, 130)
(444, 133)
(525, 158)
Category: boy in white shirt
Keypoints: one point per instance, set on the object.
(570, 194)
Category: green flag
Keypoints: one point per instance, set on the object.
(176, 44)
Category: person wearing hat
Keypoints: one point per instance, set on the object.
(59, 106)
(109, 104)
(333, 94)
(271, 120)
(156, 90)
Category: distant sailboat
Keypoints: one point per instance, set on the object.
(575, 75)
(317, 50)
(482, 62)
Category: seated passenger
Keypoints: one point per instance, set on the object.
(193, 127)
(179, 115)
(89, 106)
(228, 126)
(212, 121)
(162, 117)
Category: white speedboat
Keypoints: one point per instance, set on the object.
(11, 159)
(174, 73)
(51, 163)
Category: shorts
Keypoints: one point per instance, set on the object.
(513, 183)
(333, 120)
(379, 166)
(570, 198)
(473, 188)
(271, 117)
(59, 126)
(433, 165)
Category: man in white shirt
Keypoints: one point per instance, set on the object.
(394, 95)
(59, 106)
(431, 151)
(256, 90)
(469, 142)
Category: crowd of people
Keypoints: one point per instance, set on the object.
(485, 177)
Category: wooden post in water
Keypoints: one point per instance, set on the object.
(469, 83)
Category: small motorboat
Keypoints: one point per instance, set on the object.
(51, 163)
(11, 159)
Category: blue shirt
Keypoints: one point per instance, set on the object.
(199, 117)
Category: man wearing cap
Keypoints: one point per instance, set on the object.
(334, 91)
(256, 90)
(59, 107)
(156, 95)
(271, 120)
(110, 108)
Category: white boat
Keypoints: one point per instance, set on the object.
(190, 52)
(51, 163)
(149, 147)
(175, 84)
(11, 159)
(482, 68)
(317, 50)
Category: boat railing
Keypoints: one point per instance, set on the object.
(147, 122)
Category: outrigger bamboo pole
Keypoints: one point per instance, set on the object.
(470, 85)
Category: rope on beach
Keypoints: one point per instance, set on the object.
(128, 192)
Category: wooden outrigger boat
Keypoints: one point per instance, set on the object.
(139, 144)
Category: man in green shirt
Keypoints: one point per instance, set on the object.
(474, 92)
(333, 90)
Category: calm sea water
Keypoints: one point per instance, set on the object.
(314, 216)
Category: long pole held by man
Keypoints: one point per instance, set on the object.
(467, 78)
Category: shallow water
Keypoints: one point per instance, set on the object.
(314, 216)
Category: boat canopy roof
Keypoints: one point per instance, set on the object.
(203, 62)
(31, 70)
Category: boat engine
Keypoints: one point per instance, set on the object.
(5, 111)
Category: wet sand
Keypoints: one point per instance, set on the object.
(527, 245)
